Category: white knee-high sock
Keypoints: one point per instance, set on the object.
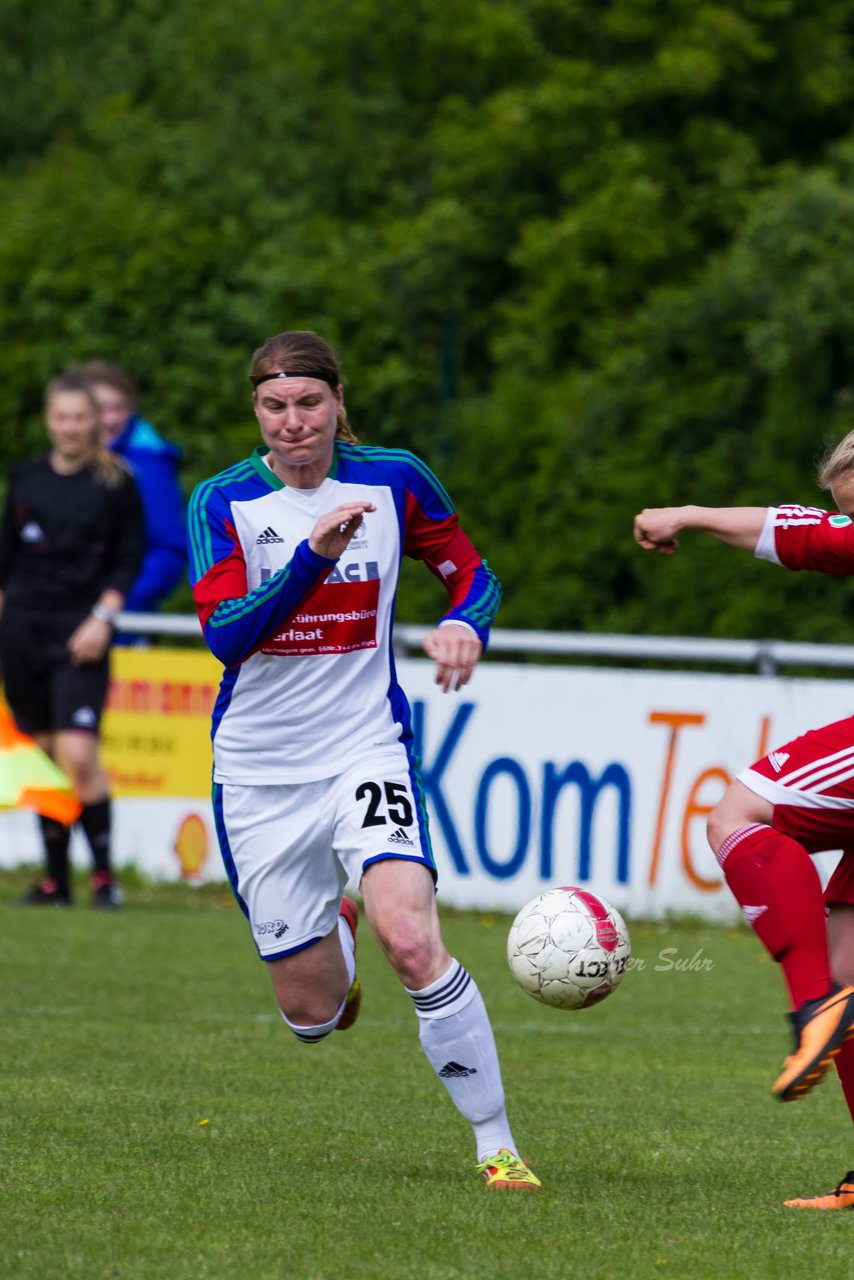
(310, 1035)
(348, 949)
(455, 1033)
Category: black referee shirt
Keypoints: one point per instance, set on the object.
(65, 539)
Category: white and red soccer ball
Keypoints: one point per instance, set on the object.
(568, 948)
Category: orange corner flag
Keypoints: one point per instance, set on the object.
(29, 779)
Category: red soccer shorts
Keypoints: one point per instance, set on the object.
(810, 783)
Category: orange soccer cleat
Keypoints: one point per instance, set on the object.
(841, 1198)
(821, 1026)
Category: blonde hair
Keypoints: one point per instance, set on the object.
(837, 461)
(109, 469)
(300, 351)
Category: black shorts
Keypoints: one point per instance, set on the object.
(44, 691)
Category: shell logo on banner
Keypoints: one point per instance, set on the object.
(191, 847)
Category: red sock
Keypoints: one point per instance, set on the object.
(845, 1068)
(779, 891)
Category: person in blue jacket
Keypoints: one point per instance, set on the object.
(154, 463)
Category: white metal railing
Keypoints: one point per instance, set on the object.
(767, 656)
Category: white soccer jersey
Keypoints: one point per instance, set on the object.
(310, 683)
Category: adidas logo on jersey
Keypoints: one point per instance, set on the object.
(752, 914)
(400, 837)
(456, 1071)
(778, 759)
(269, 535)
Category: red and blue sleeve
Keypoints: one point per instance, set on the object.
(236, 621)
(433, 534)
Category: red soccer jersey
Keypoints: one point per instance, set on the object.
(808, 538)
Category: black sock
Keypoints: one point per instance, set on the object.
(56, 837)
(96, 823)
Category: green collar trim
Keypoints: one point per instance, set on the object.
(260, 452)
(257, 457)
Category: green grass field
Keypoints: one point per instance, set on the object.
(159, 1122)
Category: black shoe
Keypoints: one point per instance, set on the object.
(108, 896)
(46, 894)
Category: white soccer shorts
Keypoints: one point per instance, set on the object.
(290, 849)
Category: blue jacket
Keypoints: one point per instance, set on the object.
(154, 463)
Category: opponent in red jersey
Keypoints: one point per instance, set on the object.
(796, 801)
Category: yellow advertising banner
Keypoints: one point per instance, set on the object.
(156, 728)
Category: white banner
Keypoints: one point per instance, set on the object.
(540, 776)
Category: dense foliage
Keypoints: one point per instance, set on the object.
(583, 257)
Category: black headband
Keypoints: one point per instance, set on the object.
(308, 373)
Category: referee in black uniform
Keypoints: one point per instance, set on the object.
(71, 544)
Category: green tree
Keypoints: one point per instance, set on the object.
(581, 257)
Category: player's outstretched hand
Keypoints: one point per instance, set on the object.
(456, 650)
(656, 529)
(333, 531)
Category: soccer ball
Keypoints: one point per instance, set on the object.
(568, 948)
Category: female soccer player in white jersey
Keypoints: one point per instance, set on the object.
(796, 801)
(295, 555)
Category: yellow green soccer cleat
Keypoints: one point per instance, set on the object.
(821, 1026)
(841, 1198)
(353, 1003)
(508, 1172)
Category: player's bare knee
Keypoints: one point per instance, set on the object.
(717, 828)
(85, 776)
(78, 775)
(411, 951)
(842, 972)
(840, 938)
(727, 816)
(307, 996)
(310, 1010)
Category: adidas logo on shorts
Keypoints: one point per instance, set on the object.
(269, 535)
(400, 837)
(778, 759)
